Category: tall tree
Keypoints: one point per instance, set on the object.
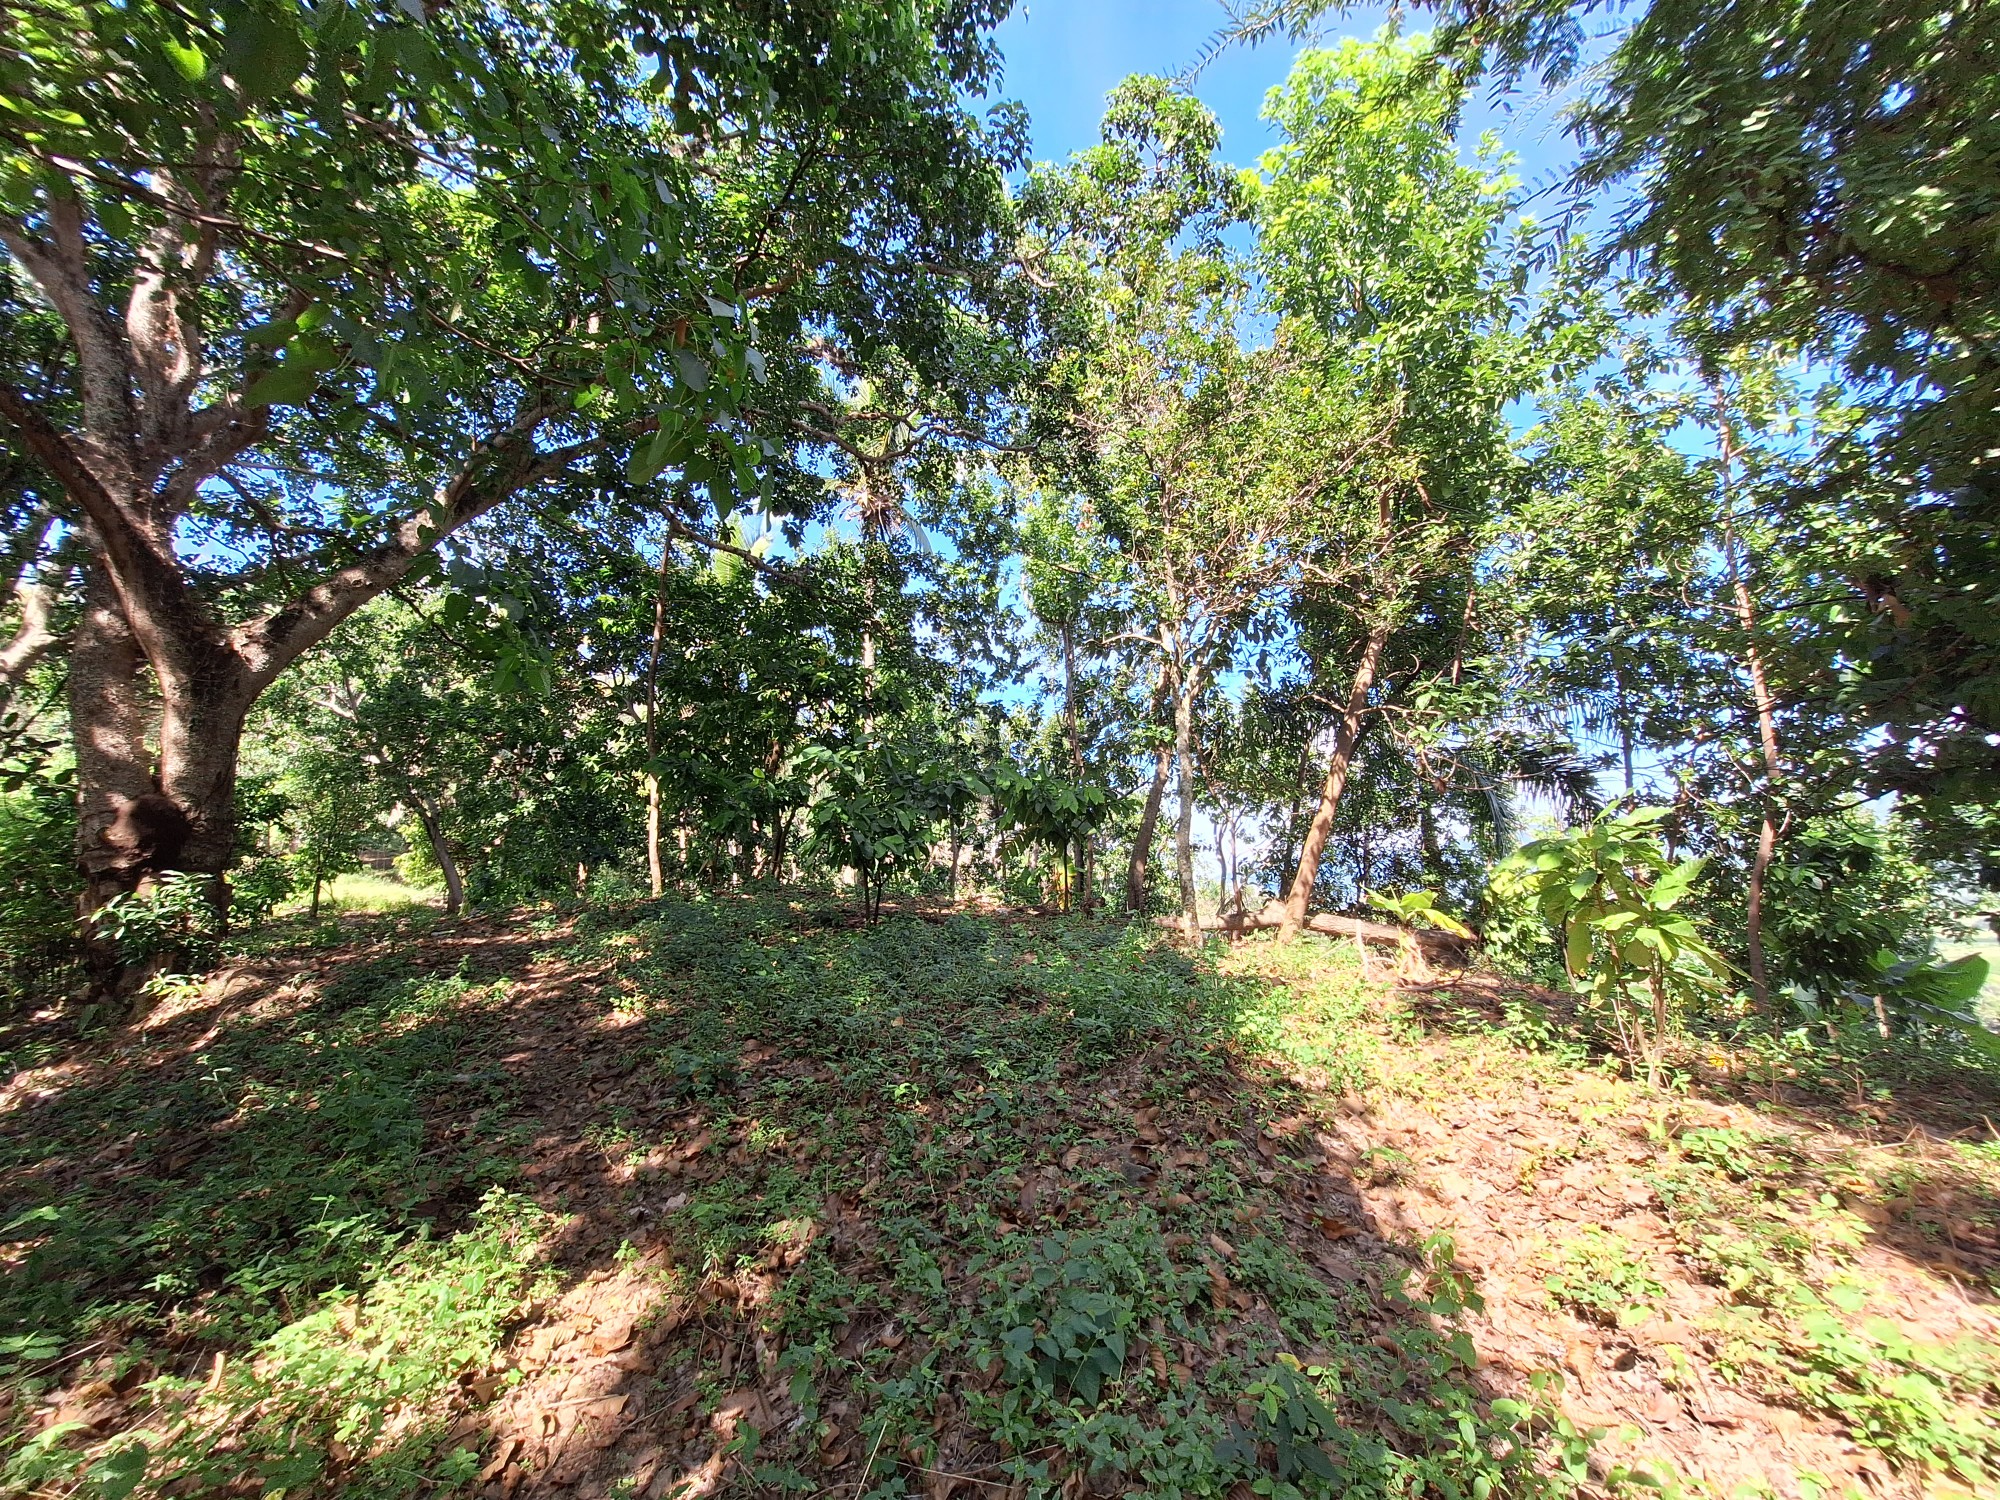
(1391, 263)
(337, 283)
(1820, 178)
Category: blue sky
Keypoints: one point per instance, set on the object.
(1064, 56)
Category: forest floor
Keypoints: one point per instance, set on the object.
(738, 1198)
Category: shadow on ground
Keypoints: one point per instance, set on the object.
(952, 1205)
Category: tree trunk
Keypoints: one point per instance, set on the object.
(1142, 844)
(454, 885)
(1767, 732)
(1082, 861)
(655, 867)
(1298, 800)
(1335, 784)
(1184, 824)
(114, 767)
(1221, 867)
(202, 712)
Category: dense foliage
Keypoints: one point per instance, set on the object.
(805, 618)
(808, 504)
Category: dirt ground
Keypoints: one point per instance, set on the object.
(638, 1374)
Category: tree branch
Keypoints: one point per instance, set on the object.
(61, 269)
(498, 467)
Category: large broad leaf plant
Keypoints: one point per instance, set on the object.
(1610, 890)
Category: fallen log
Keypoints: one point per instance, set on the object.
(1432, 945)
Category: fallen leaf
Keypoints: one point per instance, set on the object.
(612, 1336)
(502, 1456)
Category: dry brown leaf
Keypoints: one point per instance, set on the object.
(610, 1337)
(502, 1456)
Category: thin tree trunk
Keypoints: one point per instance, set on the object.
(1298, 801)
(1221, 867)
(1082, 861)
(655, 866)
(1335, 784)
(1767, 733)
(454, 884)
(312, 915)
(1142, 844)
(1184, 824)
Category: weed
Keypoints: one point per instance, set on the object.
(1601, 1278)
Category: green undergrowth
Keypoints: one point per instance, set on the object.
(1802, 1323)
(246, 1227)
(939, 1118)
(1776, 1219)
(1154, 1331)
(1039, 1200)
(277, 1159)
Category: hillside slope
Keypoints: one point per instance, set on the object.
(736, 1198)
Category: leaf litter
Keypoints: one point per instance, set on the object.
(893, 1211)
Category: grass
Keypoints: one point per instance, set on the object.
(1049, 1208)
(364, 892)
(1980, 941)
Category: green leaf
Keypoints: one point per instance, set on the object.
(187, 59)
(264, 55)
(270, 335)
(117, 1474)
(1673, 885)
(665, 445)
(1576, 949)
(692, 369)
(288, 385)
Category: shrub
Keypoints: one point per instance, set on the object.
(38, 932)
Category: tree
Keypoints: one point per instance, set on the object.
(1201, 487)
(336, 285)
(1389, 261)
(1611, 892)
(1818, 178)
(1052, 812)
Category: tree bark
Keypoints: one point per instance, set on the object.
(1082, 862)
(114, 767)
(1184, 692)
(655, 868)
(1142, 844)
(1321, 830)
(454, 884)
(1767, 732)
